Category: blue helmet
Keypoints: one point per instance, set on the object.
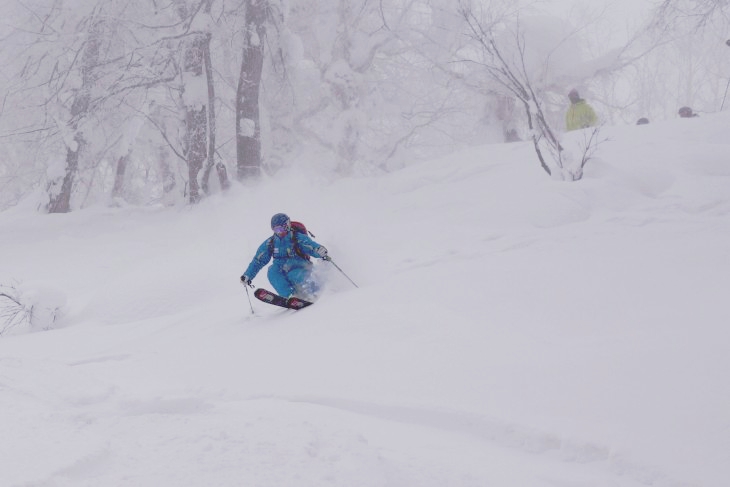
(280, 219)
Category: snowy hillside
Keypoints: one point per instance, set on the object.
(509, 330)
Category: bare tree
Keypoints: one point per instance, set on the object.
(85, 76)
(367, 97)
(18, 310)
(698, 13)
(688, 54)
(505, 64)
(13, 312)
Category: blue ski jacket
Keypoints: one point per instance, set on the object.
(285, 256)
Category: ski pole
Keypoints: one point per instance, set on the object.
(249, 297)
(343, 272)
(726, 88)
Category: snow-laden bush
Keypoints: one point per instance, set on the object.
(25, 309)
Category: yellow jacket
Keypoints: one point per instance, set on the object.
(580, 115)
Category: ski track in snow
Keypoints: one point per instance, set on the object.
(500, 433)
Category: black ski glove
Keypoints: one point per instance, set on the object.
(246, 280)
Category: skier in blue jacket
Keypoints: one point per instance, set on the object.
(290, 273)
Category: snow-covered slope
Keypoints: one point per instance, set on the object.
(508, 330)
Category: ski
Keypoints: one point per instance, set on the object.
(272, 298)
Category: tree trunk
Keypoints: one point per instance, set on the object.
(60, 201)
(196, 121)
(118, 189)
(166, 172)
(248, 126)
(220, 167)
(196, 117)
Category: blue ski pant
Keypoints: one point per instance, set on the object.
(294, 282)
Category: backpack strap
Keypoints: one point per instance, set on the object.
(295, 243)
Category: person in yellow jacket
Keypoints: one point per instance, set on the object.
(580, 114)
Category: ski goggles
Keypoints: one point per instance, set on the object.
(280, 229)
